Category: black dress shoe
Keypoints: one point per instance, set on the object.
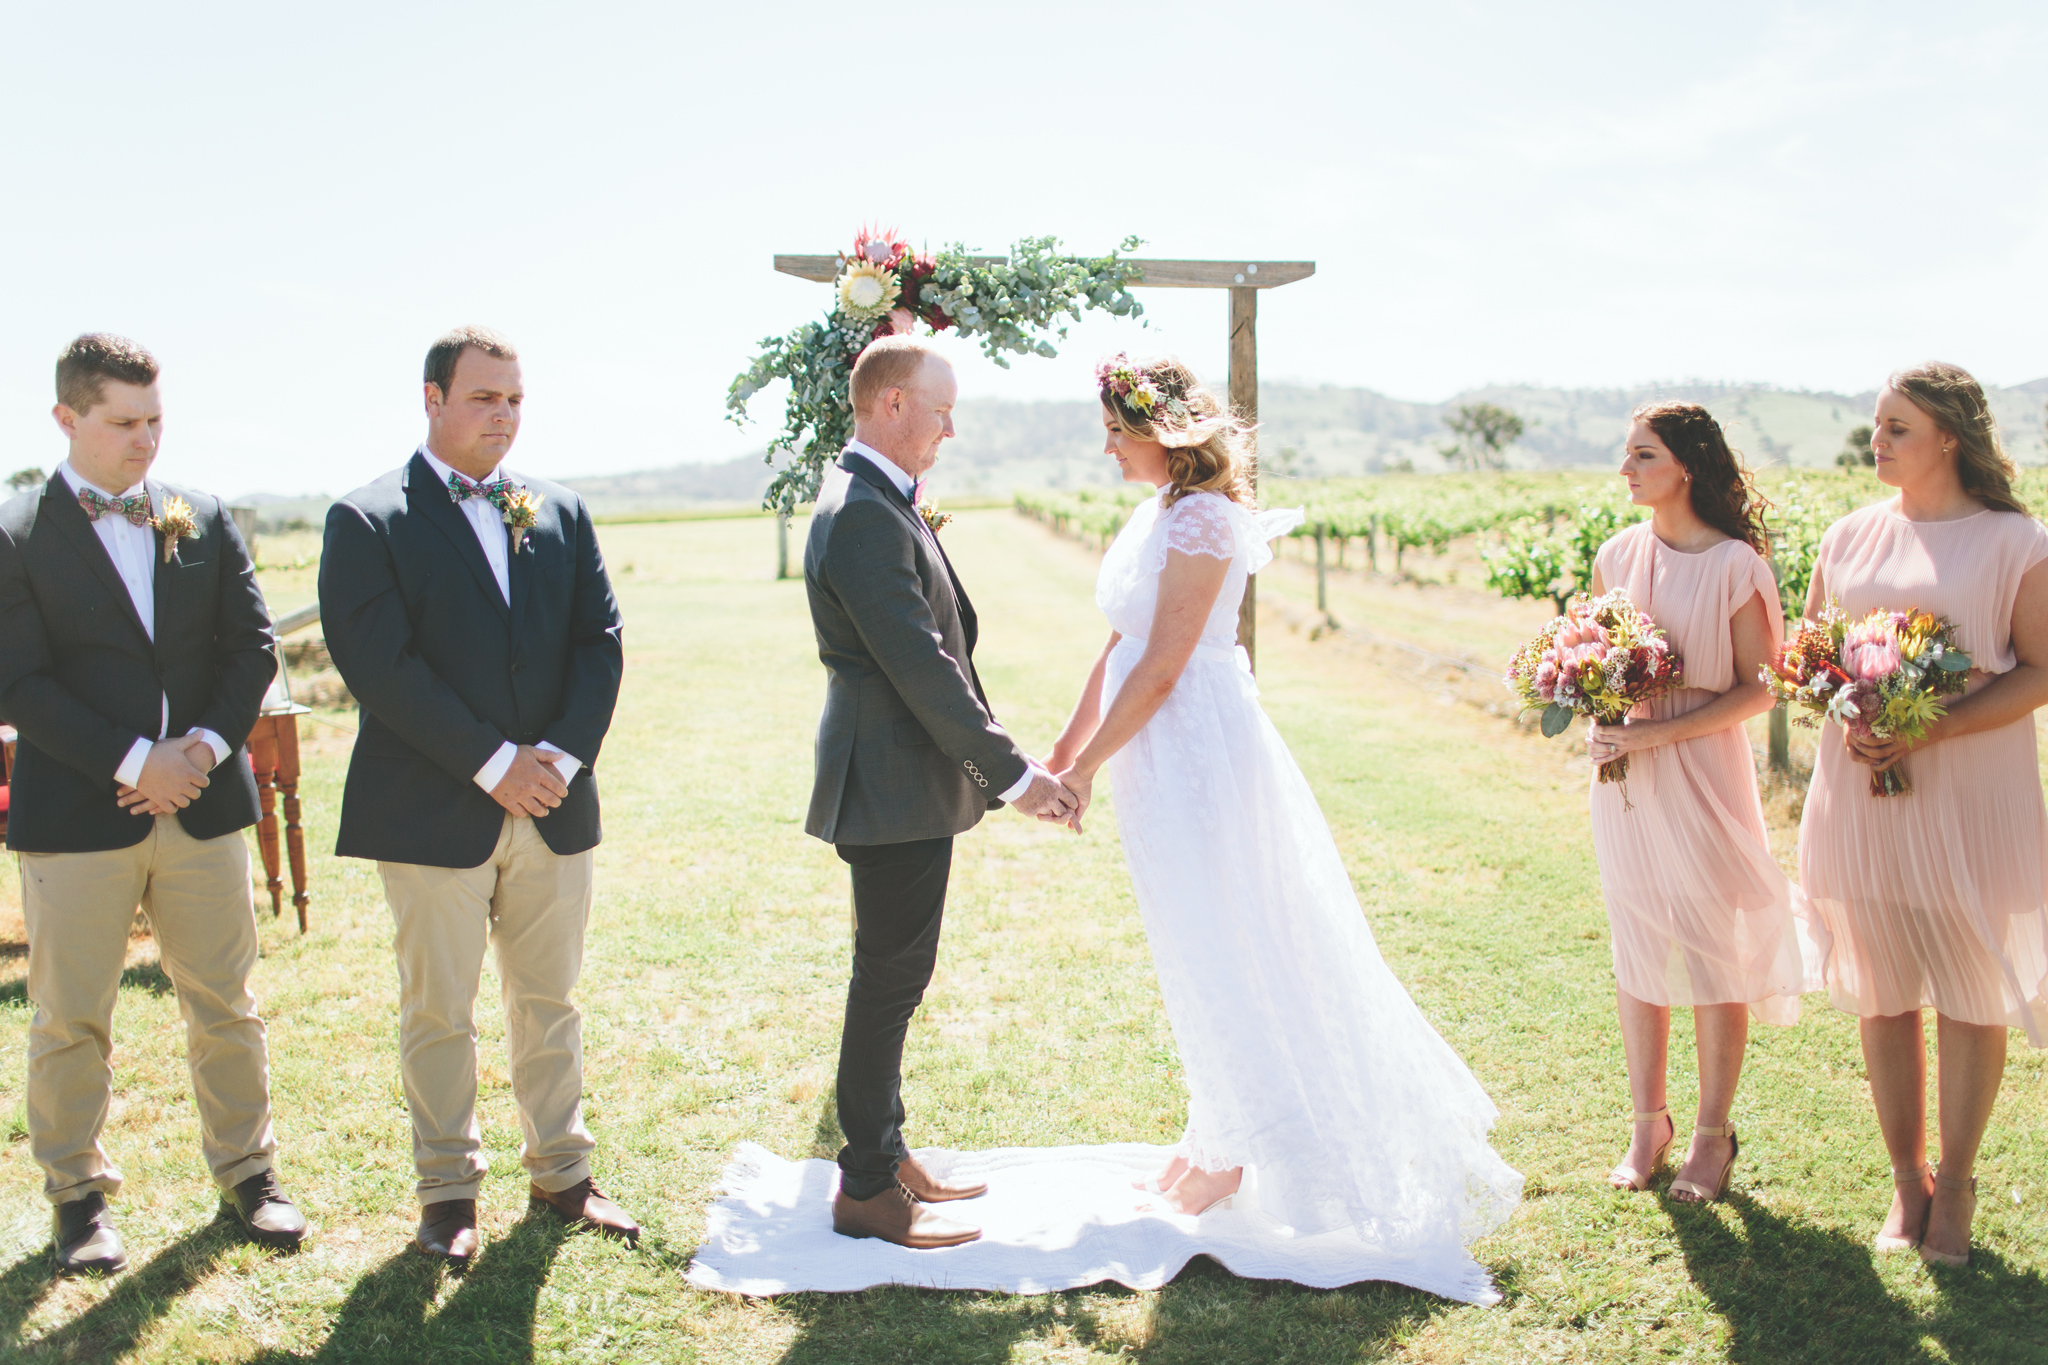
(447, 1231)
(264, 1213)
(85, 1238)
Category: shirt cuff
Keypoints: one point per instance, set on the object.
(214, 742)
(130, 771)
(568, 765)
(1031, 770)
(492, 773)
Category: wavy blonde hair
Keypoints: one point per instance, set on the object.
(1208, 447)
(1955, 400)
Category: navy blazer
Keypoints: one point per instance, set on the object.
(446, 672)
(81, 680)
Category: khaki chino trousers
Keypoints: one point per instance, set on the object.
(78, 906)
(531, 905)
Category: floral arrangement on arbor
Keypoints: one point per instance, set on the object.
(884, 287)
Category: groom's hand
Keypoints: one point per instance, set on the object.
(1046, 799)
(531, 786)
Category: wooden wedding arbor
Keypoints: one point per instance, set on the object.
(1244, 280)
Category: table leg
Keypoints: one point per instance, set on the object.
(263, 747)
(288, 785)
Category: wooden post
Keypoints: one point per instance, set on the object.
(1322, 579)
(1781, 740)
(1244, 401)
(781, 545)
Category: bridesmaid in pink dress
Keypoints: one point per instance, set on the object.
(1700, 913)
(1935, 898)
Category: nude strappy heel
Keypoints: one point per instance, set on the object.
(1627, 1177)
(1950, 1258)
(1701, 1192)
(1883, 1244)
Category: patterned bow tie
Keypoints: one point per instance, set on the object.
(462, 489)
(97, 505)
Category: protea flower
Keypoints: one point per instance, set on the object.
(1870, 652)
(866, 290)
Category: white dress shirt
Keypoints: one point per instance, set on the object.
(133, 550)
(904, 484)
(491, 535)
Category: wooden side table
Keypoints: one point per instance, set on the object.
(274, 754)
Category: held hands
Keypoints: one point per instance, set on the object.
(531, 786)
(1083, 788)
(1046, 799)
(171, 779)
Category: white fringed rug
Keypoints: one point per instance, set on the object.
(1054, 1218)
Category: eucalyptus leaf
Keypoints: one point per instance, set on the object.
(1556, 720)
(1953, 661)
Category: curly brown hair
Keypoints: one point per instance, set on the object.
(1208, 447)
(1724, 495)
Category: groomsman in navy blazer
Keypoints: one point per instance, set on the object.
(134, 652)
(469, 612)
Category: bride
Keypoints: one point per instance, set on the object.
(1306, 1061)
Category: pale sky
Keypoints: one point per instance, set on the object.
(287, 203)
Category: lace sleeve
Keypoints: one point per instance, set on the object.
(1199, 524)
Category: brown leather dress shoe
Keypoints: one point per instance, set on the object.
(85, 1239)
(921, 1183)
(896, 1216)
(447, 1230)
(584, 1204)
(259, 1205)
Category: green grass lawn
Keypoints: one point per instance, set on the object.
(712, 993)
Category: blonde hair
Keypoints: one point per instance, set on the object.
(1956, 402)
(889, 362)
(1208, 447)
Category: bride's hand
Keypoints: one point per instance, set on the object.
(1082, 786)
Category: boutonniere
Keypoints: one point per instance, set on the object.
(933, 517)
(177, 523)
(520, 508)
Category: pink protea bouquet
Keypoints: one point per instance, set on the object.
(1603, 658)
(1881, 677)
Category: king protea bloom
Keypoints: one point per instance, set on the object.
(866, 290)
(1870, 651)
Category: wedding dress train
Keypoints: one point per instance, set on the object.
(1363, 1135)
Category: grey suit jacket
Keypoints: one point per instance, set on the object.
(907, 748)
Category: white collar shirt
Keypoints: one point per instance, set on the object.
(491, 535)
(893, 471)
(484, 519)
(133, 550)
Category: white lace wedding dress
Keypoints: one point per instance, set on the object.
(1363, 1135)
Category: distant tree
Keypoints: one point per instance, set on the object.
(1856, 449)
(1484, 432)
(23, 479)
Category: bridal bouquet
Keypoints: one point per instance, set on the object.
(1602, 658)
(1881, 677)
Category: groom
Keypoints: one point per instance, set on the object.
(908, 757)
(470, 614)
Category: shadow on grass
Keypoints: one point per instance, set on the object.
(1205, 1316)
(24, 1285)
(390, 1315)
(112, 1327)
(148, 976)
(1795, 1291)
(826, 1139)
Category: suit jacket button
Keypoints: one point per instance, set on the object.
(517, 667)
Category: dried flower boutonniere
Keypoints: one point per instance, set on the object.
(933, 517)
(176, 524)
(520, 508)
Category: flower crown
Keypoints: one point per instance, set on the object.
(1143, 393)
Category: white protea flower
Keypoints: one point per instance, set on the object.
(866, 290)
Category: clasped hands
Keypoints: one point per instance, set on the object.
(172, 776)
(1057, 800)
(531, 786)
